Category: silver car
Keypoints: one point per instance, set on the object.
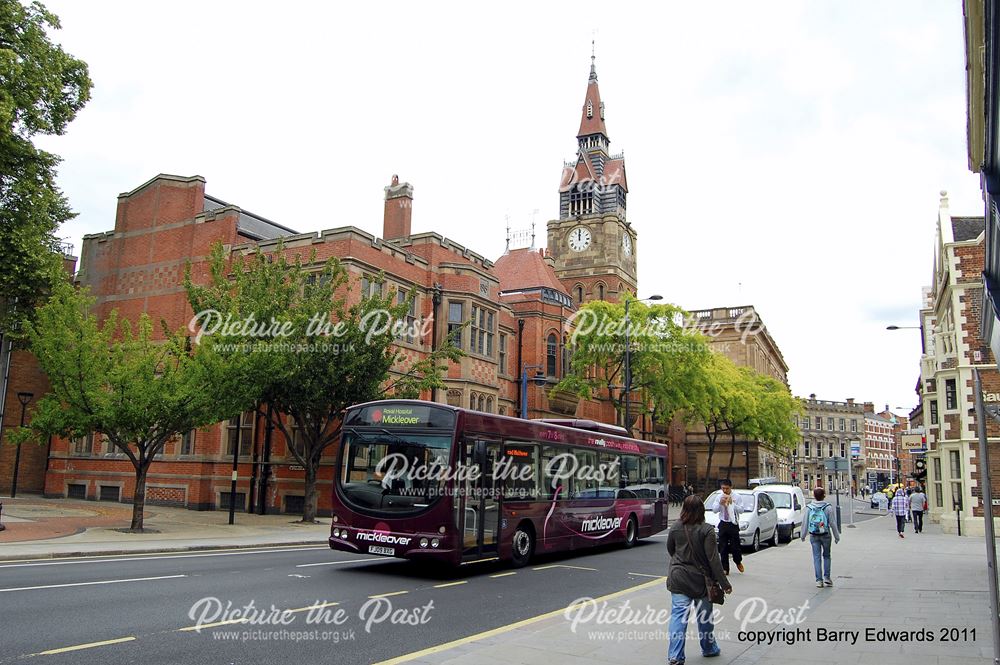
(758, 522)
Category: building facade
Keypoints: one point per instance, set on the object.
(830, 429)
(516, 309)
(880, 450)
(953, 347)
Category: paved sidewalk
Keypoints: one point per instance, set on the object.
(38, 527)
(927, 581)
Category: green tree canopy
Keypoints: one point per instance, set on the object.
(330, 352)
(41, 90)
(117, 381)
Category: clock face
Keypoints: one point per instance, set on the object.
(579, 239)
(627, 244)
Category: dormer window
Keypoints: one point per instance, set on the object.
(602, 110)
(590, 110)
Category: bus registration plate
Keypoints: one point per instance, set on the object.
(376, 549)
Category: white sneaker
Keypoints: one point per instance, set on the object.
(819, 584)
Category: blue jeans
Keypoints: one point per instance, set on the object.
(821, 555)
(680, 613)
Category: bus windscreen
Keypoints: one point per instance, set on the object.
(393, 471)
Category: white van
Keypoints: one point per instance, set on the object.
(791, 505)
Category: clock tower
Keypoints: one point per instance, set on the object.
(592, 243)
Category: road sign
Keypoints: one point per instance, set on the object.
(837, 464)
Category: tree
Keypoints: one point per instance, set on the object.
(719, 396)
(773, 422)
(41, 90)
(663, 357)
(119, 382)
(304, 349)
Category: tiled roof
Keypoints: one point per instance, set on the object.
(583, 172)
(614, 173)
(595, 123)
(967, 228)
(526, 269)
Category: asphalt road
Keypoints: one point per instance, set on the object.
(141, 608)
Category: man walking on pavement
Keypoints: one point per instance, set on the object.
(899, 507)
(821, 525)
(918, 505)
(729, 506)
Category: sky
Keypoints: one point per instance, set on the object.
(785, 155)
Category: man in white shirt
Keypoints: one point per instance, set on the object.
(729, 506)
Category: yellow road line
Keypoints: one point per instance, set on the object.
(311, 607)
(441, 586)
(386, 595)
(504, 574)
(211, 625)
(645, 575)
(509, 627)
(89, 645)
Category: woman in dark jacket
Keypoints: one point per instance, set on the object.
(686, 579)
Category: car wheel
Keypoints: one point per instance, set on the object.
(631, 532)
(774, 538)
(755, 545)
(522, 546)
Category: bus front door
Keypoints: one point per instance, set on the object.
(481, 514)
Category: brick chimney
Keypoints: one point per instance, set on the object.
(398, 210)
(869, 407)
(850, 401)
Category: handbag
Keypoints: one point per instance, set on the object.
(715, 592)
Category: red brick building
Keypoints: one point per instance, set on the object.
(518, 307)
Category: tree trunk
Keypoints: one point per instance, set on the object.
(708, 467)
(732, 454)
(138, 498)
(309, 505)
(746, 449)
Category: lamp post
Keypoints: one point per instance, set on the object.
(539, 380)
(23, 398)
(628, 362)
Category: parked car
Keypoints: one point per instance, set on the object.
(790, 503)
(758, 522)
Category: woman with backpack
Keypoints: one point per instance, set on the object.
(694, 566)
(821, 526)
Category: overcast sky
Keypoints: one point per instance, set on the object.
(785, 155)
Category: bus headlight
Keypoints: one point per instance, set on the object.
(435, 542)
(423, 542)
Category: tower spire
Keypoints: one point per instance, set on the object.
(593, 67)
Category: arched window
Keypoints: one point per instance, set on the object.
(489, 405)
(551, 354)
(472, 401)
(600, 291)
(579, 294)
(482, 402)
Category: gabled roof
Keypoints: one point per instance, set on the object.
(521, 269)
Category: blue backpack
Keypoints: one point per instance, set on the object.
(817, 519)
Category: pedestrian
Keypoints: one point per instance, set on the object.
(899, 507)
(694, 563)
(918, 505)
(821, 527)
(729, 506)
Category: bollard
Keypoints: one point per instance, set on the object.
(2, 527)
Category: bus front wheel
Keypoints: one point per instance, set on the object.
(631, 532)
(522, 545)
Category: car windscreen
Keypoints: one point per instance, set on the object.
(780, 499)
(393, 471)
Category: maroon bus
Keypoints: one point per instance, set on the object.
(419, 479)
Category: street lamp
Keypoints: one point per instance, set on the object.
(23, 398)
(628, 362)
(539, 380)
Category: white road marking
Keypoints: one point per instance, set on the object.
(61, 586)
(149, 558)
(89, 645)
(334, 563)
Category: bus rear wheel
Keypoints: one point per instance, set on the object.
(631, 532)
(522, 546)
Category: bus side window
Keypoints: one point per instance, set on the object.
(610, 465)
(629, 473)
(588, 486)
(547, 488)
